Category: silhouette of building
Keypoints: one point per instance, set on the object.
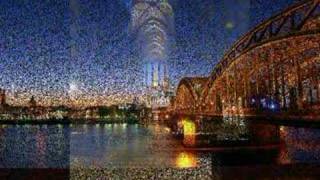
(2, 97)
(32, 102)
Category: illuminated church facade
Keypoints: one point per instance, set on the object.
(152, 23)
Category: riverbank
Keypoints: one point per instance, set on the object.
(298, 171)
(297, 121)
(69, 121)
(216, 171)
(276, 120)
(32, 173)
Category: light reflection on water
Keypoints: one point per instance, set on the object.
(34, 146)
(300, 145)
(186, 160)
(124, 145)
(154, 146)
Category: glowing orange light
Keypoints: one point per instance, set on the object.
(189, 127)
(189, 132)
(186, 160)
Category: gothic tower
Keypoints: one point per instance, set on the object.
(152, 25)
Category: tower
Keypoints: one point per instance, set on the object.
(2, 97)
(32, 102)
(152, 25)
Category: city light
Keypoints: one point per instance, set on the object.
(189, 127)
(160, 89)
(189, 132)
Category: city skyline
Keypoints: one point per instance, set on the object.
(66, 51)
(159, 89)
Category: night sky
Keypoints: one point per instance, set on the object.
(83, 50)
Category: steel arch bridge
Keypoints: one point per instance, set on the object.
(274, 67)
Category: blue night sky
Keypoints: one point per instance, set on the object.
(82, 48)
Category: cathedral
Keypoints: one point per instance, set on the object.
(152, 23)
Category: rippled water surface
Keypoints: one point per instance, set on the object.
(126, 146)
(122, 145)
(34, 146)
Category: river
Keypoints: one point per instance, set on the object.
(151, 148)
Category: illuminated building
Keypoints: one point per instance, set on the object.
(152, 25)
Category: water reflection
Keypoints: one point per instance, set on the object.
(124, 146)
(186, 160)
(238, 143)
(34, 146)
(300, 145)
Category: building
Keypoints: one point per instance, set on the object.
(152, 24)
(2, 97)
(32, 102)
